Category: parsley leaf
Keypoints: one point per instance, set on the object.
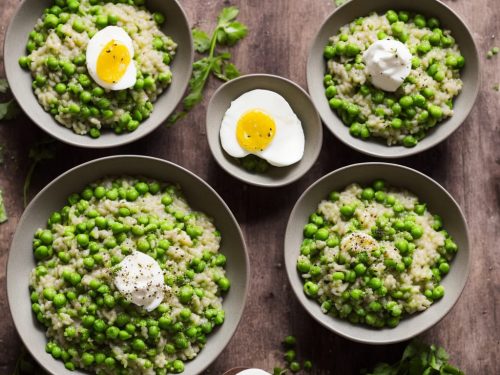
(4, 85)
(340, 2)
(227, 32)
(201, 40)
(40, 151)
(3, 212)
(10, 109)
(418, 358)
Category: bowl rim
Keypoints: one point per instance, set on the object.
(287, 81)
(307, 303)
(55, 181)
(121, 142)
(405, 151)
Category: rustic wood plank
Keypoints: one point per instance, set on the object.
(467, 164)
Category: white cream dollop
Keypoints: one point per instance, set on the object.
(253, 371)
(140, 279)
(388, 63)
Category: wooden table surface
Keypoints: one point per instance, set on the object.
(467, 164)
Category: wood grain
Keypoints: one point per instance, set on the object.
(467, 164)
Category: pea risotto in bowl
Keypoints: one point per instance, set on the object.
(104, 72)
(376, 252)
(393, 78)
(129, 278)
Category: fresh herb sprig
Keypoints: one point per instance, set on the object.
(418, 358)
(227, 33)
(40, 151)
(9, 109)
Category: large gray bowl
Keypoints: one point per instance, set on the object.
(200, 196)
(22, 23)
(301, 105)
(316, 66)
(438, 200)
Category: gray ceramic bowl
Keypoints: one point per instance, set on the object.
(301, 105)
(22, 23)
(199, 195)
(357, 8)
(438, 201)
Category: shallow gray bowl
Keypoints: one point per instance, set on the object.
(22, 23)
(439, 202)
(200, 196)
(316, 66)
(301, 105)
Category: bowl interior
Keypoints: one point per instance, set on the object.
(438, 202)
(345, 14)
(200, 196)
(22, 23)
(301, 105)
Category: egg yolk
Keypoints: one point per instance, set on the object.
(255, 130)
(113, 62)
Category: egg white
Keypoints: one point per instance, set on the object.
(287, 146)
(94, 48)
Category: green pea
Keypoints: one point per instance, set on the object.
(435, 111)
(310, 229)
(360, 269)
(338, 276)
(391, 16)
(396, 123)
(112, 19)
(406, 101)
(424, 47)
(329, 52)
(149, 83)
(368, 193)
(50, 21)
(356, 294)
(352, 49)
(409, 141)
(322, 234)
(224, 284)
(438, 292)
(59, 300)
(159, 18)
(450, 246)
(101, 21)
(185, 294)
(347, 210)
(78, 26)
(311, 289)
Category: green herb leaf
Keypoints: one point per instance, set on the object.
(227, 15)
(201, 40)
(3, 212)
(43, 150)
(9, 110)
(232, 33)
(227, 32)
(4, 85)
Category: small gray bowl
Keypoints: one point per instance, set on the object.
(22, 23)
(438, 200)
(53, 197)
(301, 105)
(316, 67)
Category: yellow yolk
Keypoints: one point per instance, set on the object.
(255, 130)
(113, 61)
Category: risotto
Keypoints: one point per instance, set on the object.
(373, 255)
(90, 324)
(61, 81)
(422, 101)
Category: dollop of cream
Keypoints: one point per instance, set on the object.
(139, 279)
(388, 63)
(253, 371)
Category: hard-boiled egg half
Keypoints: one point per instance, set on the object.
(261, 122)
(110, 59)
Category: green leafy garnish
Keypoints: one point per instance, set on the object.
(418, 358)
(227, 33)
(3, 212)
(9, 109)
(42, 150)
(340, 2)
